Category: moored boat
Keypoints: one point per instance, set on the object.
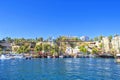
(48, 56)
(11, 56)
(3, 57)
(118, 58)
(61, 56)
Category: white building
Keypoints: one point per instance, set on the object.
(69, 50)
(84, 38)
(116, 44)
(106, 44)
(76, 50)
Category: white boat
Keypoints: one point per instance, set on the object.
(118, 58)
(11, 56)
(61, 56)
(3, 57)
(48, 57)
(18, 56)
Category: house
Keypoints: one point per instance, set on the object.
(5, 45)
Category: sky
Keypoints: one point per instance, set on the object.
(44, 18)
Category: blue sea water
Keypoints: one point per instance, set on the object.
(60, 69)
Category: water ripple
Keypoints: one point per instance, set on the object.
(60, 69)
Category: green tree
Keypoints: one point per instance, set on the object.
(46, 47)
(101, 45)
(49, 39)
(23, 49)
(54, 50)
(110, 38)
(39, 39)
(94, 51)
(91, 40)
(96, 39)
(0, 50)
(100, 38)
(72, 44)
(38, 48)
(9, 39)
(83, 49)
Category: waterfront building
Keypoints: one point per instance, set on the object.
(69, 50)
(106, 44)
(116, 44)
(6, 46)
(76, 50)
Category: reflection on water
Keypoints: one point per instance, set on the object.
(60, 69)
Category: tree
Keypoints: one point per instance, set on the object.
(46, 47)
(8, 39)
(91, 40)
(0, 50)
(23, 49)
(72, 44)
(49, 39)
(101, 45)
(110, 38)
(39, 39)
(38, 48)
(30, 40)
(83, 49)
(54, 50)
(94, 51)
(100, 38)
(96, 39)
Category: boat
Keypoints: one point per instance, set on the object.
(18, 56)
(11, 56)
(48, 57)
(118, 58)
(61, 56)
(3, 57)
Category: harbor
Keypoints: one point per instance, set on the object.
(59, 39)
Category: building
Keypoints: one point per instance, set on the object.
(5, 46)
(76, 50)
(84, 38)
(116, 44)
(69, 50)
(106, 44)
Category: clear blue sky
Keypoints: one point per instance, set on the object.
(34, 18)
